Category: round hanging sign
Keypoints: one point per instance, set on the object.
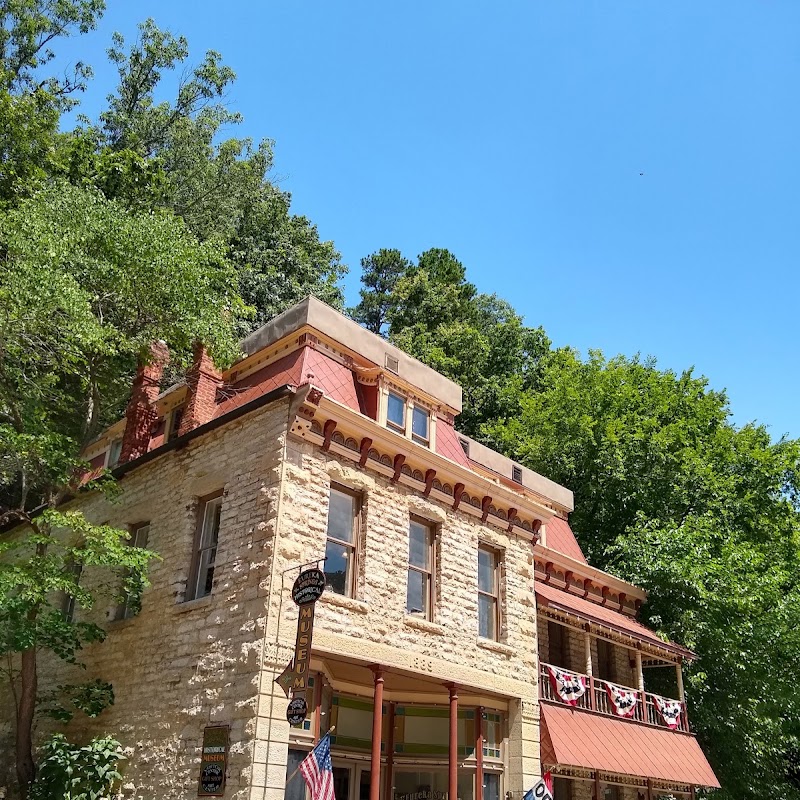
(297, 710)
(308, 587)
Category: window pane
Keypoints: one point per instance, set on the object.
(486, 616)
(419, 423)
(396, 410)
(337, 567)
(139, 537)
(417, 595)
(419, 545)
(486, 569)
(211, 520)
(341, 514)
(491, 786)
(296, 788)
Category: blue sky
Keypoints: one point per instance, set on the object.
(516, 133)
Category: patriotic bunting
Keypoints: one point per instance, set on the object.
(568, 686)
(670, 711)
(623, 701)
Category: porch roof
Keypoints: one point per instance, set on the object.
(605, 617)
(590, 741)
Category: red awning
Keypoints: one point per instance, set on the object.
(581, 739)
(601, 615)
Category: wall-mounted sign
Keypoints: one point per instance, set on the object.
(308, 587)
(297, 710)
(213, 762)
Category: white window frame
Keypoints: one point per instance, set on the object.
(206, 547)
(351, 579)
(139, 534)
(430, 572)
(495, 594)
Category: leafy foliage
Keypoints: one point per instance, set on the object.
(71, 772)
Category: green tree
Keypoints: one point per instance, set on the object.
(31, 102)
(85, 286)
(380, 273)
(705, 517)
(172, 154)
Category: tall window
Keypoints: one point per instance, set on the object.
(420, 592)
(396, 412)
(558, 640)
(488, 593)
(205, 557)
(131, 605)
(340, 552)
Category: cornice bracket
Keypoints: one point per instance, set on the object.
(429, 476)
(363, 448)
(327, 432)
(458, 490)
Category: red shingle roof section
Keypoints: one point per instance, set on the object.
(335, 379)
(591, 741)
(447, 443)
(602, 615)
(561, 538)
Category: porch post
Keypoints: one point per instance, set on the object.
(587, 646)
(452, 783)
(679, 676)
(377, 725)
(640, 680)
(649, 789)
(479, 753)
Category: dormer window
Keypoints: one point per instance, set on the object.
(420, 425)
(404, 414)
(396, 412)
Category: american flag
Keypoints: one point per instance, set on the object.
(317, 770)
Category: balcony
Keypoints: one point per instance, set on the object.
(596, 699)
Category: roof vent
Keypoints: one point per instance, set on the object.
(516, 474)
(392, 364)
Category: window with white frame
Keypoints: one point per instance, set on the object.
(488, 593)
(131, 603)
(420, 425)
(396, 412)
(114, 452)
(420, 591)
(206, 542)
(344, 514)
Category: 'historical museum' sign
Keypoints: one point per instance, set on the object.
(214, 762)
(307, 589)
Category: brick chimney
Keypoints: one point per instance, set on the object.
(141, 414)
(202, 380)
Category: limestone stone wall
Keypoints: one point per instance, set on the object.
(180, 666)
(373, 628)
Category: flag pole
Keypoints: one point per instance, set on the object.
(328, 733)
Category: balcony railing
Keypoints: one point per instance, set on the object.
(596, 699)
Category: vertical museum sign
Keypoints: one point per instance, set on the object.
(307, 589)
(213, 761)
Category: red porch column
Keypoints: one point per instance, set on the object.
(377, 725)
(452, 783)
(479, 753)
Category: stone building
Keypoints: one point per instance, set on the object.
(456, 595)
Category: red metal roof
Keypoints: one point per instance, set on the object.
(603, 615)
(561, 538)
(581, 739)
(447, 443)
